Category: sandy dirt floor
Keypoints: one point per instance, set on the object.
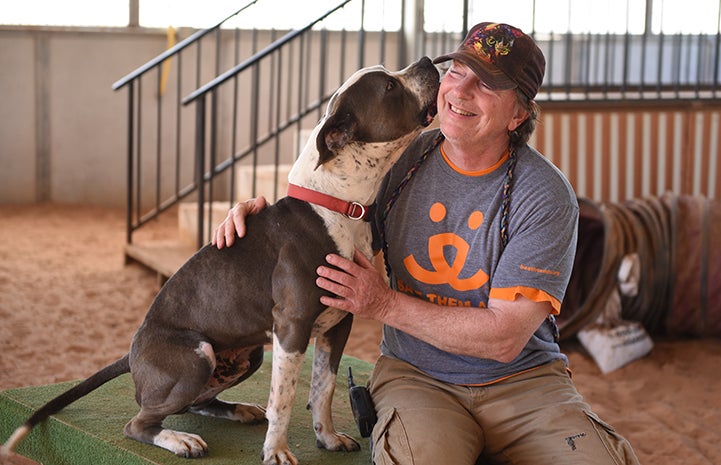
(69, 305)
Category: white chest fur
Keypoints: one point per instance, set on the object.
(348, 234)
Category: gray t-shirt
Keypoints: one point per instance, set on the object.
(444, 245)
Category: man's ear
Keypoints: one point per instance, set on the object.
(519, 118)
(337, 131)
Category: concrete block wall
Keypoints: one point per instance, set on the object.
(63, 128)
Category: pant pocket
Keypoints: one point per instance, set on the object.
(390, 441)
(618, 448)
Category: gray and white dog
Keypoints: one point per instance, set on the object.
(206, 328)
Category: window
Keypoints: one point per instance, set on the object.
(66, 12)
(269, 14)
(686, 16)
(543, 16)
(595, 17)
(264, 14)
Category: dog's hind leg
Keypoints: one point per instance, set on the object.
(236, 411)
(328, 352)
(147, 427)
(165, 386)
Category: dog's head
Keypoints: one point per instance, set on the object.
(376, 105)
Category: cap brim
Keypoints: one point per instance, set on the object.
(491, 75)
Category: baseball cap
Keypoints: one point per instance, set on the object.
(502, 56)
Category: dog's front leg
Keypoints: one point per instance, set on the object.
(328, 351)
(283, 381)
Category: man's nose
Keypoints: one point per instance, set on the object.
(466, 86)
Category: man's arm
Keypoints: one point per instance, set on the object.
(498, 332)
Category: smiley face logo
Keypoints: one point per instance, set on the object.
(444, 272)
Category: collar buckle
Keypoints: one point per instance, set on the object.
(356, 211)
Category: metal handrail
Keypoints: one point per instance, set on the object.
(175, 49)
(149, 141)
(234, 71)
(206, 142)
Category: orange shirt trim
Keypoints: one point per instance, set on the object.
(536, 295)
(474, 173)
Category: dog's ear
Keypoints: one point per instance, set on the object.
(337, 131)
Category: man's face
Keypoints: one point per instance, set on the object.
(471, 112)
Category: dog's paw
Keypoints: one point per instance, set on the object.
(248, 413)
(278, 456)
(181, 444)
(337, 442)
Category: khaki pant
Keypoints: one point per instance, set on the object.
(535, 418)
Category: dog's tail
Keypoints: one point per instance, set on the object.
(106, 374)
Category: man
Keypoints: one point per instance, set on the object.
(479, 234)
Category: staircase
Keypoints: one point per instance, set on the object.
(220, 116)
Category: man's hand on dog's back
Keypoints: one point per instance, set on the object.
(234, 222)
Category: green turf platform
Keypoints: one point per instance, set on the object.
(90, 431)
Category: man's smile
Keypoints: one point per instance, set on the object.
(459, 111)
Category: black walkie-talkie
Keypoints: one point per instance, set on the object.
(362, 405)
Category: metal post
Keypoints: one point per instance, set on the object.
(464, 30)
(131, 130)
(361, 37)
(214, 125)
(134, 13)
(200, 163)
(412, 42)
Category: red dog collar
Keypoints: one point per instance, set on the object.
(352, 210)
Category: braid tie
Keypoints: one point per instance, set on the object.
(507, 184)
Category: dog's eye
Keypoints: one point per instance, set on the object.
(390, 85)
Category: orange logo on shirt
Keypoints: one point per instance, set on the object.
(444, 272)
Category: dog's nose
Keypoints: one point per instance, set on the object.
(424, 64)
(426, 74)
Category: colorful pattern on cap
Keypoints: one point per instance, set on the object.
(493, 41)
